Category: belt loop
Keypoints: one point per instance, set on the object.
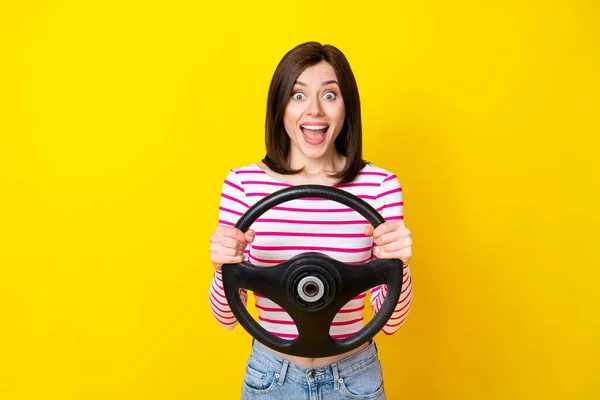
(336, 377)
(283, 372)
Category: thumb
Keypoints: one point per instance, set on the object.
(250, 234)
(369, 230)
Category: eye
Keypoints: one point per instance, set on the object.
(330, 96)
(298, 96)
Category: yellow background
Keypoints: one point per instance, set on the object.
(120, 119)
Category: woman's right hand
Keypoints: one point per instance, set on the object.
(227, 245)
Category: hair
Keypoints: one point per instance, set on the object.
(348, 143)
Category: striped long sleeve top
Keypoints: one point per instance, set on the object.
(310, 224)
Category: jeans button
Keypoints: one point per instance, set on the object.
(311, 373)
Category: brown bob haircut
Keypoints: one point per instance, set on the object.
(348, 142)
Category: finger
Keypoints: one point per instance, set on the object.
(217, 248)
(388, 226)
(402, 235)
(232, 232)
(227, 242)
(250, 235)
(232, 243)
(388, 237)
(404, 255)
(394, 246)
(369, 230)
(219, 260)
(222, 230)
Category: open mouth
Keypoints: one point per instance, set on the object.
(314, 134)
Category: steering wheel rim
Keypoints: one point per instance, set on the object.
(308, 343)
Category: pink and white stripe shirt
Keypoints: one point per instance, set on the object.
(311, 224)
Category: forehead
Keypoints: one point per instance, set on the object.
(315, 74)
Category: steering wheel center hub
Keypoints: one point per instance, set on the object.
(311, 283)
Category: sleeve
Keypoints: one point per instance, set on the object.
(232, 206)
(390, 205)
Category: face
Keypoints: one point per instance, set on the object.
(315, 113)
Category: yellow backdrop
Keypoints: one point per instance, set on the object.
(120, 119)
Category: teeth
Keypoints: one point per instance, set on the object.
(315, 127)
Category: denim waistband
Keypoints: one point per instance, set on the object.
(343, 368)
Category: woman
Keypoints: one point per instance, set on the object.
(313, 136)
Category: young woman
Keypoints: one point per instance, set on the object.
(313, 136)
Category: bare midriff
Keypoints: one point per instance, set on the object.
(316, 362)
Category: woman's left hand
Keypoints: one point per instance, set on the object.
(393, 240)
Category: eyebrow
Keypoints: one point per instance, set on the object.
(324, 83)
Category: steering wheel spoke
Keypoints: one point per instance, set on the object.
(263, 280)
(358, 278)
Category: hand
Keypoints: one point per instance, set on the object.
(227, 245)
(393, 240)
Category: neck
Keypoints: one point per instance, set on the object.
(329, 163)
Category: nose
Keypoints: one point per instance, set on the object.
(314, 107)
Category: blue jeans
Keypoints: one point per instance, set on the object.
(269, 376)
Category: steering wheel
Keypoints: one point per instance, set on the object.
(312, 287)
